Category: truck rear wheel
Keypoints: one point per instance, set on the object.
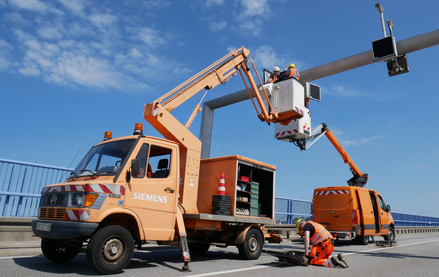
(364, 240)
(57, 251)
(251, 248)
(110, 250)
(391, 235)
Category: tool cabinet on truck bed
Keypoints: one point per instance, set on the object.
(249, 183)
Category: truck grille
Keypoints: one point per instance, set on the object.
(52, 213)
(62, 199)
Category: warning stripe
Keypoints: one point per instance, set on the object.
(101, 188)
(283, 134)
(77, 215)
(155, 112)
(329, 192)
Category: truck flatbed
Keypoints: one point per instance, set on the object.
(228, 218)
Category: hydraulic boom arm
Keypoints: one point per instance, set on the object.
(158, 114)
(360, 178)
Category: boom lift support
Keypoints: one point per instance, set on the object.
(359, 179)
(158, 114)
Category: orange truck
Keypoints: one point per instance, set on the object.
(130, 190)
(352, 210)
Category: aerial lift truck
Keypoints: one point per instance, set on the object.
(130, 190)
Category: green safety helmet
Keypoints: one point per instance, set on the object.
(298, 222)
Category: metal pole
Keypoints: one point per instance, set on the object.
(404, 46)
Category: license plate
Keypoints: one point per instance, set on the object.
(43, 226)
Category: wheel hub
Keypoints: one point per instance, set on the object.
(112, 249)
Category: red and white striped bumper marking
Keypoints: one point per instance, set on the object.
(77, 215)
(101, 188)
(155, 112)
(329, 192)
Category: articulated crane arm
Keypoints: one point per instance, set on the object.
(158, 114)
(360, 178)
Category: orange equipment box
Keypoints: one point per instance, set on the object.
(239, 190)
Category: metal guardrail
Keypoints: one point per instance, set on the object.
(288, 210)
(21, 184)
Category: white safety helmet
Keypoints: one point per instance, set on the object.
(276, 68)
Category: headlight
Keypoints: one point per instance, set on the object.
(77, 199)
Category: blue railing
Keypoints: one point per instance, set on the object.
(289, 210)
(21, 184)
(414, 220)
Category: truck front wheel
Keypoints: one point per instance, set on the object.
(57, 251)
(110, 250)
(251, 248)
(391, 235)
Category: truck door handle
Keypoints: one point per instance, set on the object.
(169, 190)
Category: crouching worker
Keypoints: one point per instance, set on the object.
(322, 245)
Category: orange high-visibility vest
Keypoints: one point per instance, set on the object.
(294, 73)
(320, 235)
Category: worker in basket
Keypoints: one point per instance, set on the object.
(322, 245)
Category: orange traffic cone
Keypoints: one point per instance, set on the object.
(222, 186)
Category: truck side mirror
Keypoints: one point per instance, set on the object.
(388, 208)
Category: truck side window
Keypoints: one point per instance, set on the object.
(382, 204)
(142, 156)
(160, 160)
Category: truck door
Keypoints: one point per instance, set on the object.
(152, 192)
(385, 216)
(375, 211)
(367, 215)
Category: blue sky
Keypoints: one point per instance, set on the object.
(71, 70)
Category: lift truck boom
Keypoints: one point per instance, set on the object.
(359, 179)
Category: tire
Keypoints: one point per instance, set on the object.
(57, 251)
(251, 248)
(198, 248)
(364, 240)
(110, 250)
(391, 236)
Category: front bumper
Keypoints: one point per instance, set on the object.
(64, 229)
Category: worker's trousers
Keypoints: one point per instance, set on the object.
(321, 254)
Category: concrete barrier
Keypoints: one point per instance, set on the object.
(14, 229)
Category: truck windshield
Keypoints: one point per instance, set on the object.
(104, 159)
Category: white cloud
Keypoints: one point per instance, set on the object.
(29, 71)
(255, 8)
(135, 53)
(266, 57)
(252, 16)
(17, 19)
(75, 6)
(151, 37)
(5, 54)
(217, 26)
(50, 32)
(35, 6)
(103, 20)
